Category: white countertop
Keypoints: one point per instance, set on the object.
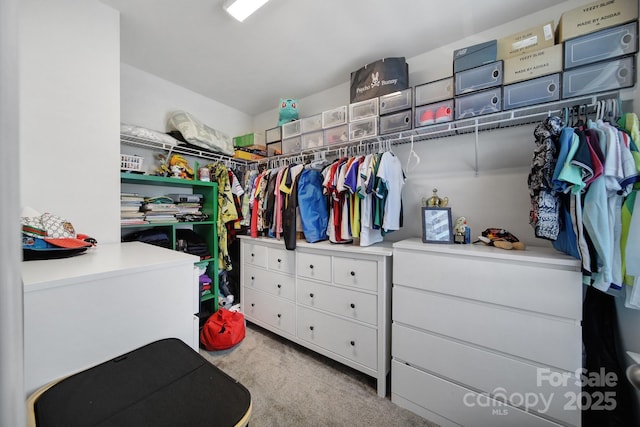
(98, 262)
(532, 254)
(383, 248)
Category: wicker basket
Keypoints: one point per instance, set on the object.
(131, 163)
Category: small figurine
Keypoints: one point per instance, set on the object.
(462, 233)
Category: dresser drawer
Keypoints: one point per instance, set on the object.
(269, 309)
(513, 377)
(358, 273)
(254, 254)
(531, 287)
(268, 281)
(547, 340)
(344, 302)
(314, 266)
(343, 337)
(281, 260)
(457, 404)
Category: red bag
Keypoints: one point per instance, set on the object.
(223, 330)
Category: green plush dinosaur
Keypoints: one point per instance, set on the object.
(288, 111)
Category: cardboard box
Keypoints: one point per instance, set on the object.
(475, 56)
(248, 139)
(534, 64)
(532, 39)
(595, 16)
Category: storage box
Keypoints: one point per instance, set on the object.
(535, 38)
(248, 140)
(396, 101)
(595, 16)
(475, 79)
(435, 91)
(274, 149)
(247, 155)
(273, 134)
(311, 124)
(290, 129)
(291, 145)
(438, 112)
(334, 117)
(312, 140)
(364, 128)
(599, 77)
(336, 135)
(602, 45)
(531, 92)
(396, 122)
(534, 64)
(363, 109)
(475, 56)
(479, 103)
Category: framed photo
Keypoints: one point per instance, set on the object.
(436, 225)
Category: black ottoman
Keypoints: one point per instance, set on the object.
(165, 383)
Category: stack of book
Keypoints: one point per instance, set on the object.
(130, 213)
(160, 209)
(189, 207)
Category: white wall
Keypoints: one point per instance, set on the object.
(70, 113)
(12, 405)
(148, 100)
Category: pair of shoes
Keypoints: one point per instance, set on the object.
(442, 114)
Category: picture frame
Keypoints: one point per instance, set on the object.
(436, 225)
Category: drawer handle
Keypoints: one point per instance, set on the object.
(352, 305)
(353, 343)
(353, 273)
(279, 285)
(311, 294)
(279, 260)
(279, 315)
(311, 328)
(311, 266)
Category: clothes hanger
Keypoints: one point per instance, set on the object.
(412, 155)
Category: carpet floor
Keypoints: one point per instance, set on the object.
(293, 386)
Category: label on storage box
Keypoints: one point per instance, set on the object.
(534, 64)
(535, 38)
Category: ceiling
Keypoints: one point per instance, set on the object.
(292, 48)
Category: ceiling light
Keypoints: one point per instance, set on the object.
(241, 9)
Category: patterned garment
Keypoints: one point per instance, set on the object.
(544, 214)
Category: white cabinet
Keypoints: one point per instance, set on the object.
(482, 336)
(333, 299)
(84, 310)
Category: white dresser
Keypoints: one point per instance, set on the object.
(484, 336)
(333, 299)
(84, 310)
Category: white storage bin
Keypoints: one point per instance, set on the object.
(363, 109)
(479, 78)
(429, 93)
(291, 129)
(531, 92)
(602, 45)
(365, 128)
(273, 134)
(396, 101)
(396, 122)
(312, 140)
(438, 112)
(600, 77)
(336, 135)
(334, 117)
(311, 124)
(477, 104)
(291, 145)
